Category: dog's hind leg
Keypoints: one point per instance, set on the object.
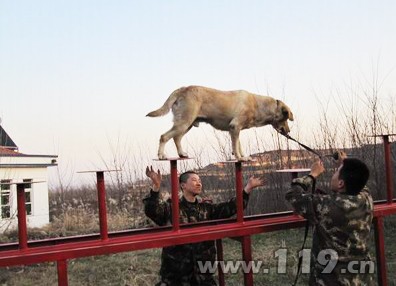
(177, 139)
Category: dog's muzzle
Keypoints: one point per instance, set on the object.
(282, 131)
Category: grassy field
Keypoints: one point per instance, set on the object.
(141, 268)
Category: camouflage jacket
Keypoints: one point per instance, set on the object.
(179, 263)
(341, 228)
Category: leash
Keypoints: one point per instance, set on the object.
(302, 145)
(300, 259)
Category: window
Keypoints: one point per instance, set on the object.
(28, 195)
(5, 187)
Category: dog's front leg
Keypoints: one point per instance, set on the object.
(240, 148)
(236, 145)
(241, 153)
(234, 133)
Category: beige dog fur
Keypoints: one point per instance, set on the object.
(230, 111)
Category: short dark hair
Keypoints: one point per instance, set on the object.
(355, 175)
(184, 176)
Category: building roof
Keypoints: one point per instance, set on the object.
(5, 140)
(8, 152)
(8, 148)
(20, 160)
(5, 152)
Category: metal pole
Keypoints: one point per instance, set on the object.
(22, 225)
(220, 258)
(388, 169)
(380, 250)
(102, 205)
(239, 191)
(175, 195)
(247, 257)
(62, 272)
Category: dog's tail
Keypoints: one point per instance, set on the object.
(164, 109)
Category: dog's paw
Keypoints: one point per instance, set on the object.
(245, 159)
(162, 157)
(183, 155)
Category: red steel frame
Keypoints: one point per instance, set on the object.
(102, 205)
(62, 249)
(22, 226)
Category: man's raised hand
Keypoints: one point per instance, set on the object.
(155, 177)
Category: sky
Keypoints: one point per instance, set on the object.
(78, 77)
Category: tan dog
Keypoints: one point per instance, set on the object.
(230, 111)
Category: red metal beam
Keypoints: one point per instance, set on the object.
(388, 166)
(247, 257)
(62, 272)
(102, 205)
(239, 191)
(175, 196)
(385, 209)
(124, 233)
(388, 169)
(152, 238)
(22, 225)
(145, 241)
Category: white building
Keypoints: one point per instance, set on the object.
(16, 167)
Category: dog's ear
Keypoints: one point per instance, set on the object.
(290, 115)
(286, 112)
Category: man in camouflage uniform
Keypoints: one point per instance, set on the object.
(341, 220)
(179, 265)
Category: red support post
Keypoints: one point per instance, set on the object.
(247, 257)
(380, 250)
(175, 196)
(22, 225)
(62, 272)
(220, 258)
(388, 169)
(102, 205)
(239, 190)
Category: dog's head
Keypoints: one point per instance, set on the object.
(282, 114)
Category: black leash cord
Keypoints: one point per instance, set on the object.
(300, 259)
(302, 145)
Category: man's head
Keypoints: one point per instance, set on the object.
(350, 177)
(190, 183)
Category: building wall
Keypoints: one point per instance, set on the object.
(39, 196)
